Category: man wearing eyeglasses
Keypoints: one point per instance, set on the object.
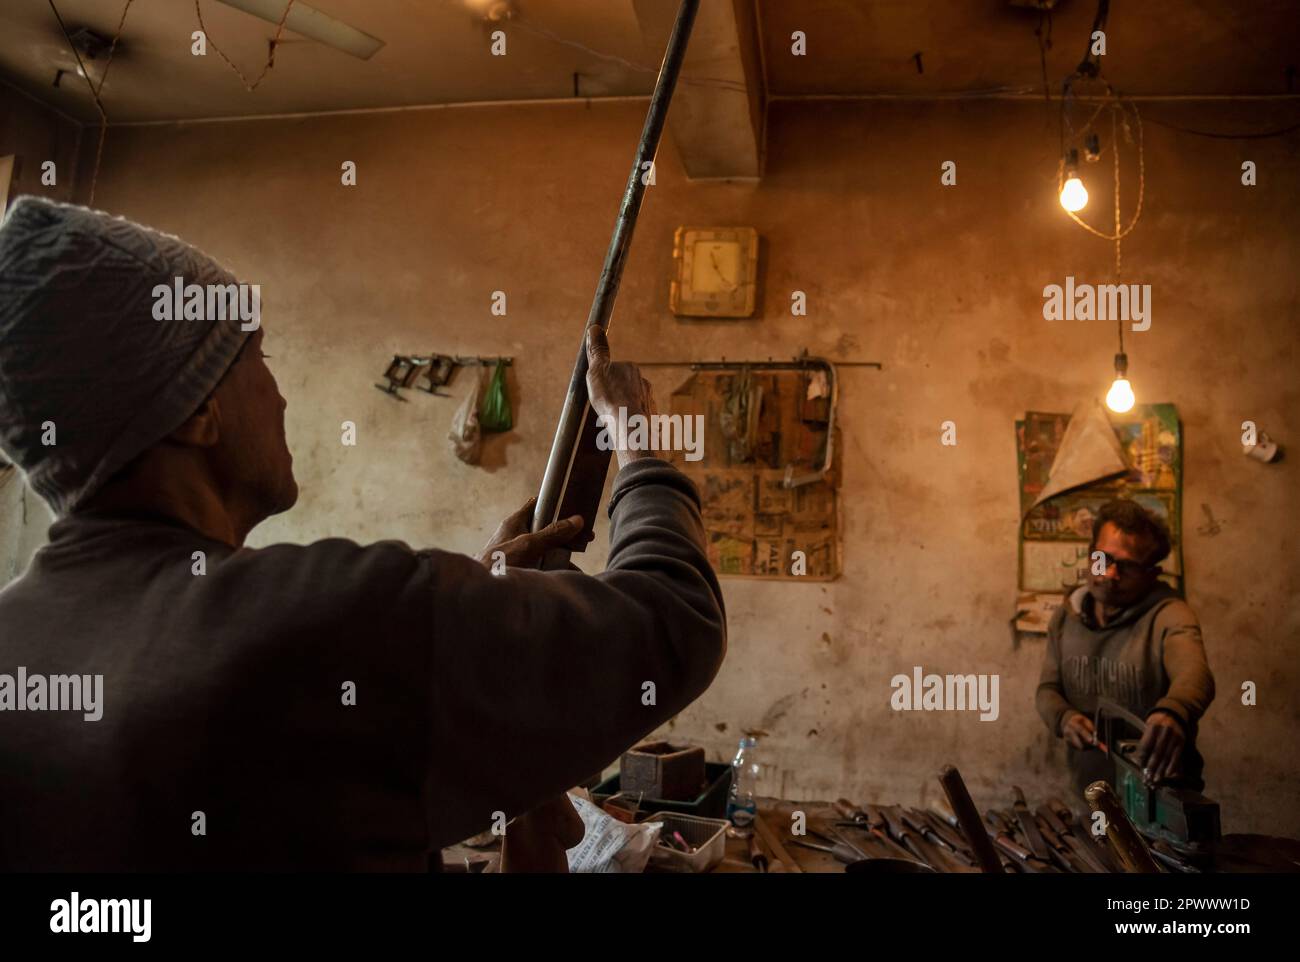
(1129, 637)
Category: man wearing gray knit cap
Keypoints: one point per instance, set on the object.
(85, 354)
(173, 700)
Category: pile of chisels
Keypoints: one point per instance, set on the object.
(1050, 839)
(1040, 840)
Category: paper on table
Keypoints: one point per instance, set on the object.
(609, 845)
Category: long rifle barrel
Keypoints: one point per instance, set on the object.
(575, 469)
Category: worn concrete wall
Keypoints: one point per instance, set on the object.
(942, 284)
(33, 134)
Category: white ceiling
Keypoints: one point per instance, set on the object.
(437, 52)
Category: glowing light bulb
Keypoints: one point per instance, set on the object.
(1074, 196)
(1120, 396)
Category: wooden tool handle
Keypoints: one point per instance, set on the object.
(1129, 846)
(969, 819)
(773, 842)
(1005, 843)
(896, 827)
(1060, 810)
(757, 857)
(1052, 819)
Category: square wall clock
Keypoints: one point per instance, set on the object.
(716, 271)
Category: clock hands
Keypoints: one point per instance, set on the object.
(713, 256)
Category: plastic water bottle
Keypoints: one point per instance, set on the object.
(741, 807)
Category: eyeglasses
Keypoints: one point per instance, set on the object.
(1123, 567)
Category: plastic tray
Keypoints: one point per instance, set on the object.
(708, 836)
(711, 803)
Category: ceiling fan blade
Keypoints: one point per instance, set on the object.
(310, 22)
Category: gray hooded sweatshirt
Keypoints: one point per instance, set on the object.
(1149, 657)
(332, 706)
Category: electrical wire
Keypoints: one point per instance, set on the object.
(1281, 131)
(270, 60)
(94, 92)
(1044, 45)
(541, 31)
(112, 49)
(1088, 67)
(1119, 114)
(1120, 110)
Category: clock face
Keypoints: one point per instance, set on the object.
(716, 271)
(715, 268)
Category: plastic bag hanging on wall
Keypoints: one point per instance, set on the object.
(466, 435)
(494, 413)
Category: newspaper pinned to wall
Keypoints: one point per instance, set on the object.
(1071, 465)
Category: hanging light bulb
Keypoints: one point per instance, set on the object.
(1074, 196)
(1120, 397)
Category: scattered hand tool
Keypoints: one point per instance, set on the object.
(930, 847)
(1021, 856)
(848, 811)
(838, 839)
(880, 829)
(863, 821)
(1000, 823)
(1053, 822)
(964, 809)
(773, 844)
(918, 823)
(1086, 843)
(1082, 852)
(757, 857)
(1164, 853)
(1127, 844)
(907, 839)
(1061, 853)
(1028, 827)
(944, 829)
(1009, 819)
(841, 851)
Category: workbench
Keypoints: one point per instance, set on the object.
(1236, 853)
(777, 812)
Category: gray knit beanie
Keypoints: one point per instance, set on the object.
(82, 353)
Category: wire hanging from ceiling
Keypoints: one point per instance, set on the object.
(94, 91)
(1218, 135)
(1123, 114)
(270, 59)
(551, 35)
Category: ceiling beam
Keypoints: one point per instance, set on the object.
(716, 118)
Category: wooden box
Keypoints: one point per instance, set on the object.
(661, 770)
